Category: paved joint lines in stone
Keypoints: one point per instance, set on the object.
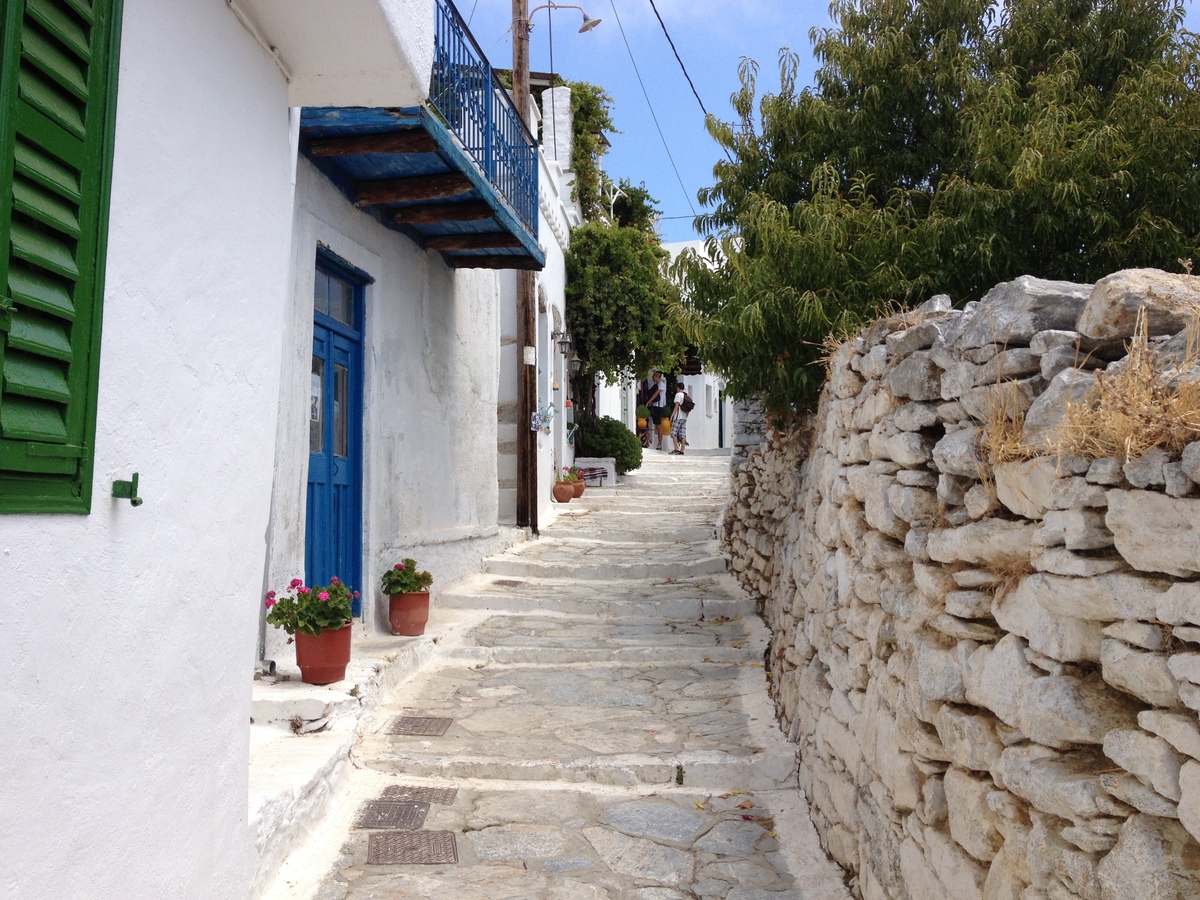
(577, 703)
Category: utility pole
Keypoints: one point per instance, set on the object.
(527, 505)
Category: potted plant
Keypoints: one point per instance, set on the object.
(318, 618)
(577, 474)
(407, 588)
(564, 486)
(643, 415)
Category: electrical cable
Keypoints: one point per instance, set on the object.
(682, 68)
(476, 5)
(653, 115)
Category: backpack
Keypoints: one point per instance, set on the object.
(688, 403)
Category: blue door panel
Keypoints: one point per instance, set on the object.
(333, 537)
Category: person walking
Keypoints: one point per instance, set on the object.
(679, 415)
(657, 404)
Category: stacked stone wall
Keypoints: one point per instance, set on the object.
(991, 669)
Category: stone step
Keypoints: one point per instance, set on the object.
(714, 770)
(622, 533)
(708, 596)
(563, 567)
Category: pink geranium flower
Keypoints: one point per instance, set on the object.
(303, 590)
(355, 595)
(335, 580)
(271, 601)
(296, 582)
(324, 595)
(400, 566)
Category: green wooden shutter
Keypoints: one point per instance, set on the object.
(56, 121)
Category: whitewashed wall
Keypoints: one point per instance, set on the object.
(126, 649)
(431, 353)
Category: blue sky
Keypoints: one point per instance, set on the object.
(712, 36)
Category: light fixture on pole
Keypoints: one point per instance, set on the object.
(527, 448)
(588, 22)
(564, 341)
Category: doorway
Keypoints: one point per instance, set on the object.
(333, 517)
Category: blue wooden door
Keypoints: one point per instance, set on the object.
(333, 534)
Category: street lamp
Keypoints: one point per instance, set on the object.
(527, 512)
(588, 22)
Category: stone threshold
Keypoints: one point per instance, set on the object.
(301, 735)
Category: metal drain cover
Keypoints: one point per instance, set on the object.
(411, 848)
(426, 726)
(419, 794)
(392, 814)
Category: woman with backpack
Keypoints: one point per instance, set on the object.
(683, 405)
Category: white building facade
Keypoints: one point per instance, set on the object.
(168, 320)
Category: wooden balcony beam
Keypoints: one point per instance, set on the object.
(495, 240)
(527, 263)
(432, 213)
(411, 140)
(415, 189)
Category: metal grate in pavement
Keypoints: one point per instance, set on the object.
(392, 814)
(419, 793)
(411, 848)
(426, 726)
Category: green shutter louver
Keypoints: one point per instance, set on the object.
(56, 116)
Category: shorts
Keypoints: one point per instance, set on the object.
(656, 414)
(679, 427)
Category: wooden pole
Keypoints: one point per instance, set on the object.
(527, 507)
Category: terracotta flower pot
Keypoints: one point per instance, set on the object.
(323, 657)
(408, 612)
(563, 491)
(578, 485)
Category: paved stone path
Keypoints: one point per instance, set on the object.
(612, 735)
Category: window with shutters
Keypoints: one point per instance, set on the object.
(57, 98)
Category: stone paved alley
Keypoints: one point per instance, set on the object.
(611, 732)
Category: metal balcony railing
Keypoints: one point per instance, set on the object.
(479, 112)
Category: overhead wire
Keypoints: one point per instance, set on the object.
(653, 115)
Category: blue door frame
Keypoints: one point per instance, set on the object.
(333, 518)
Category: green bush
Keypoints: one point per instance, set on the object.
(608, 437)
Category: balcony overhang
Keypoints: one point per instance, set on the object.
(348, 53)
(412, 174)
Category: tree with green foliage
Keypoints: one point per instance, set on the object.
(617, 294)
(633, 207)
(590, 118)
(946, 146)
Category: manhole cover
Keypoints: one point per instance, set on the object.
(411, 848)
(419, 794)
(392, 814)
(427, 726)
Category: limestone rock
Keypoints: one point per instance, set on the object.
(1130, 790)
(1147, 469)
(1175, 482)
(916, 377)
(919, 337)
(958, 453)
(1111, 311)
(1106, 471)
(1156, 533)
(1137, 634)
(1189, 803)
(972, 741)
(1181, 731)
(1066, 785)
(969, 604)
(1078, 529)
(986, 542)
(1180, 604)
(1191, 461)
(1013, 398)
(979, 502)
(1061, 561)
(639, 858)
(1107, 598)
(1045, 341)
(1153, 860)
(1023, 611)
(962, 875)
(1015, 363)
(909, 448)
(1024, 486)
(972, 822)
(1013, 312)
(1044, 419)
(1150, 759)
(1144, 675)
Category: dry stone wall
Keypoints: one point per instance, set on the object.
(991, 672)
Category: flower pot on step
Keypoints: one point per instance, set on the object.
(408, 613)
(578, 485)
(323, 657)
(563, 491)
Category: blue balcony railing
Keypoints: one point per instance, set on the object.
(480, 113)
